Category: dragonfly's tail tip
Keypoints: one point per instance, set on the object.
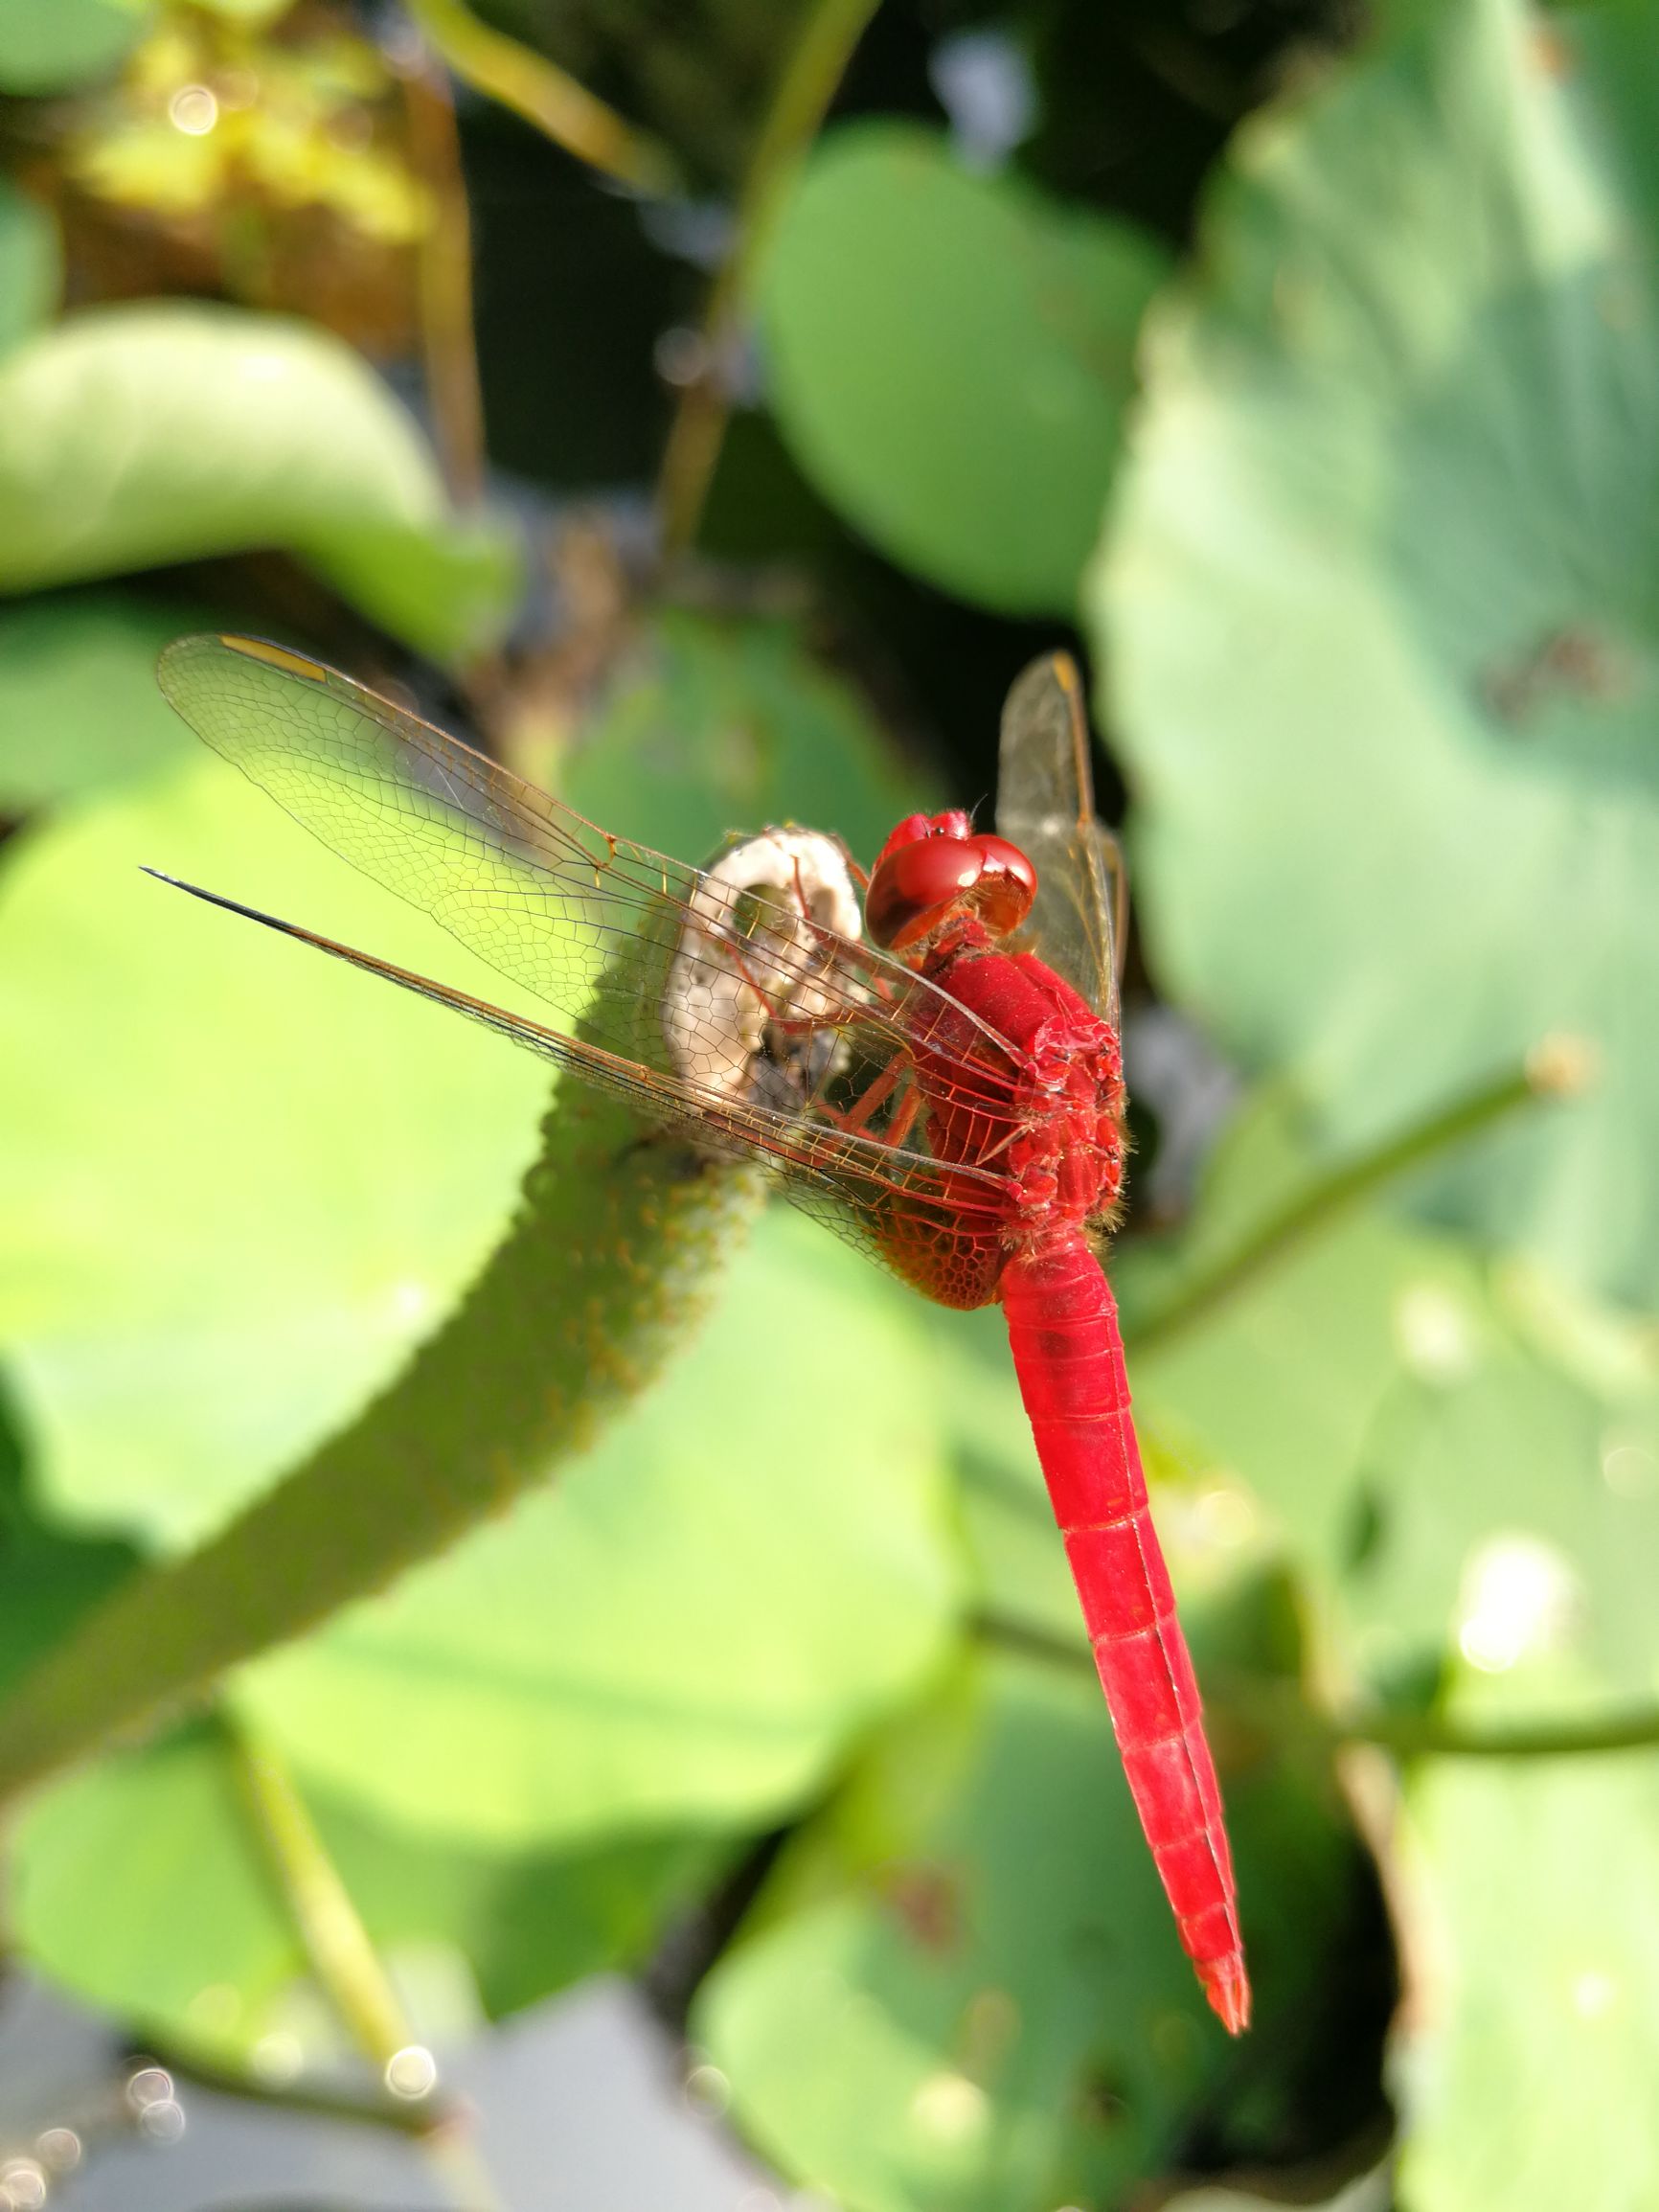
(1227, 1987)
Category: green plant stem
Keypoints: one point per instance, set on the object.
(341, 1958)
(427, 2117)
(1550, 1071)
(445, 284)
(1278, 1709)
(1408, 1737)
(534, 88)
(332, 1934)
(828, 39)
(612, 1259)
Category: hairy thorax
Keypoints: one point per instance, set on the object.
(1042, 1109)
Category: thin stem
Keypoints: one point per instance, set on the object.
(1279, 1709)
(540, 92)
(1553, 1069)
(616, 1238)
(343, 1959)
(444, 283)
(828, 39)
(1408, 1737)
(425, 2118)
(335, 1943)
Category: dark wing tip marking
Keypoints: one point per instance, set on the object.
(227, 905)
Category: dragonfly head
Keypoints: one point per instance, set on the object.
(934, 869)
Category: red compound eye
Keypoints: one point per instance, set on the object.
(931, 870)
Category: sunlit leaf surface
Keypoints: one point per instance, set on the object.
(1377, 614)
(754, 1561)
(1450, 1451)
(53, 46)
(1528, 2068)
(134, 436)
(78, 704)
(959, 1990)
(250, 1181)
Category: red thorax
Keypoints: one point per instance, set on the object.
(1046, 1112)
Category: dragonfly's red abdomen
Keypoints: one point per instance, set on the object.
(1064, 1328)
(1021, 1076)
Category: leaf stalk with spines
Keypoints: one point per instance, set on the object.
(612, 1259)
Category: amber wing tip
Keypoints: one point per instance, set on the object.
(1228, 1991)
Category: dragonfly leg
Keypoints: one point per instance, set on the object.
(904, 1118)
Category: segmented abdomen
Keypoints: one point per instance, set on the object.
(1063, 1326)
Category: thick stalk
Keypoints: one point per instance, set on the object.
(611, 1261)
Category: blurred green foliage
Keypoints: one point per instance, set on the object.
(1312, 367)
(894, 268)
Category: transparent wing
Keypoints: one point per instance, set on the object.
(824, 1089)
(890, 1199)
(1045, 805)
(588, 921)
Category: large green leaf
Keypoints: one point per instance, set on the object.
(29, 264)
(135, 436)
(143, 1885)
(1528, 2068)
(962, 1988)
(754, 1561)
(253, 1181)
(244, 1181)
(950, 355)
(49, 46)
(78, 703)
(47, 1579)
(1279, 1385)
(1440, 1443)
(1378, 606)
(716, 1641)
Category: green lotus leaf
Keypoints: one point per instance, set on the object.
(1375, 606)
(31, 265)
(1449, 1448)
(950, 355)
(1526, 2073)
(78, 704)
(135, 436)
(145, 1886)
(53, 46)
(962, 1988)
(253, 1181)
(752, 1564)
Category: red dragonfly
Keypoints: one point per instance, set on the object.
(933, 1086)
